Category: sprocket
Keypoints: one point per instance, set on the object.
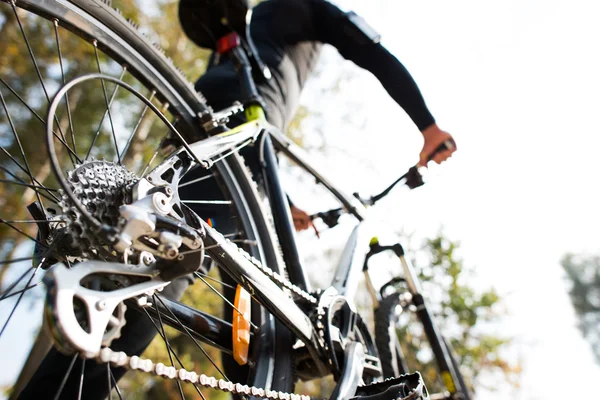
(101, 187)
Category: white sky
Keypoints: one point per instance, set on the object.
(517, 83)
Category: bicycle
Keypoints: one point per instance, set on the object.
(110, 240)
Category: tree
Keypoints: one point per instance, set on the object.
(463, 313)
(583, 276)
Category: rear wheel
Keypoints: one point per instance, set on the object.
(106, 140)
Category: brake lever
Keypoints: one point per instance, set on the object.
(330, 218)
(413, 178)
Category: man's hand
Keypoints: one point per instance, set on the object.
(302, 220)
(434, 137)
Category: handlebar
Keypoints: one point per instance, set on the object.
(449, 144)
(412, 178)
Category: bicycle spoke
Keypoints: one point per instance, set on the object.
(30, 186)
(211, 287)
(62, 72)
(64, 381)
(154, 155)
(35, 187)
(114, 93)
(30, 221)
(2, 221)
(112, 377)
(213, 202)
(15, 260)
(108, 104)
(19, 300)
(64, 143)
(137, 125)
(21, 291)
(35, 64)
(81, 379)
(11, 287)
(191, 337)
(14, 130)
(196, 181)
(198, 274)
(15, 283)
(37, 69)
(169, 345)
(109, 381)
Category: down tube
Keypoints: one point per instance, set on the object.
(259, 285)
(351, 264)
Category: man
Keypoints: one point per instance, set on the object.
(289, 35)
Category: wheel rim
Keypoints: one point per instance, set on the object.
(28, 180)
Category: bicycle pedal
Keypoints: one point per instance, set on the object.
(404, 387)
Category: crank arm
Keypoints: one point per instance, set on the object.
(354, 361)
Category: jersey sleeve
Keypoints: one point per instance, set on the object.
(332, 26)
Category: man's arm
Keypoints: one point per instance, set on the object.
(332, 26)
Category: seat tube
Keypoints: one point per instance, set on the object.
(282, 215)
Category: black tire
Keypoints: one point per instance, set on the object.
(119, 40)
(393, 361)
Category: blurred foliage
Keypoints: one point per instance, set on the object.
(583, 276)
(464, 316)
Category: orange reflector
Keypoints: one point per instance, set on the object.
(241, 325)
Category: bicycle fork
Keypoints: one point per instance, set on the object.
(440, 351)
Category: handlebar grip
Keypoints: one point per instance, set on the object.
(449, 144)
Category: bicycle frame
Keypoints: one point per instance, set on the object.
(346, 277)
(249, 274)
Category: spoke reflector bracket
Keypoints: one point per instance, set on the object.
(241, 325)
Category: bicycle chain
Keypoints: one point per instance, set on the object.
(135, 363)
(276, 277)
